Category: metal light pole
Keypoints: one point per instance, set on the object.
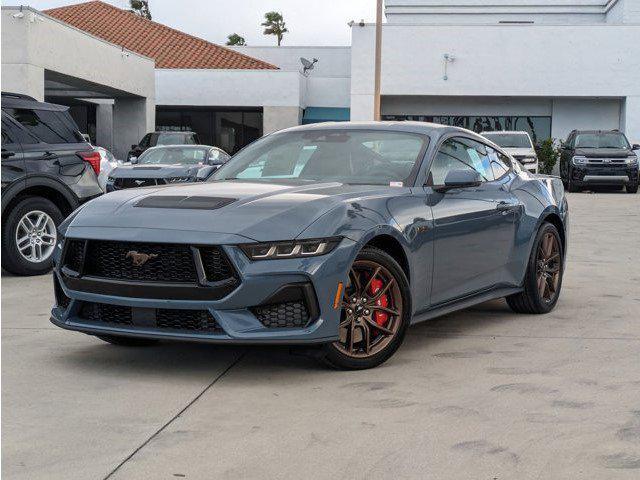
(378, 61)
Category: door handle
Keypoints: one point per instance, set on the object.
(7, 154)
(505, 207)
(49, 155)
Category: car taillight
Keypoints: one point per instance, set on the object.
(93, 158)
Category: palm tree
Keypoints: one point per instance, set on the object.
(235, 39)
(274, 25)
(141, 8)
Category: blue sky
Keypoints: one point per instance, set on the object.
(310, 22)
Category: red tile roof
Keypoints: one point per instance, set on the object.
(170, 48)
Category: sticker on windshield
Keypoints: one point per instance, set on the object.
(396, 184)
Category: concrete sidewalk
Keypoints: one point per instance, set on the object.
(479, 394)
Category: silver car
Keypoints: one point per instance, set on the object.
(518, 145)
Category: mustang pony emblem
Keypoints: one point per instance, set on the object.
(139, 259)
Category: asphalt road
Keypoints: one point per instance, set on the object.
(480, 394)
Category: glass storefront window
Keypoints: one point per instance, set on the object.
(538, 127)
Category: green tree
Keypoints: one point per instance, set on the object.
(548, 155)
(235, 39)
(274, 25)
(141, 8)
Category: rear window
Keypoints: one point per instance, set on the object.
(173, 139)
(173, 156)
(47, 126)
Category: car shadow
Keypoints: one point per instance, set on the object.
(193, 360)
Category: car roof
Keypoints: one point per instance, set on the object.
(166, 147)
(425, 128)
(597, 131)
(17, 100)
(171, 132)
(510, 132)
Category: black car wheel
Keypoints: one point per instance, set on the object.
(127, 341)
(29, 236)
(543, 278)
(376, 311)
(632, 187)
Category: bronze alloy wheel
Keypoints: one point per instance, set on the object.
(548, 263)
(372, 309)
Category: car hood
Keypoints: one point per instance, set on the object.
(255, 210)
(521, 152)
(155, 171)
(603, 152)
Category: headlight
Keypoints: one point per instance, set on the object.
(579, 160)
(178, 179)
(631, 160)
(290, 249)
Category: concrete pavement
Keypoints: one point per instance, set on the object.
(479, 394)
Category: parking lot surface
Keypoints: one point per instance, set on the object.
(479, 394)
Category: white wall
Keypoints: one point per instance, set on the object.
(447, 105)
(496, 11)
(233, 88)
(584, 114)
(328, 84)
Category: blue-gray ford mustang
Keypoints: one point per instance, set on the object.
(334, 236)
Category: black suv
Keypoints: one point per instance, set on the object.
(48, 169)
(162, 138)
(596, 157)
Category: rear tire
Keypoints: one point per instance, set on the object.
(632, 188)
(532, 299)
(12, 260)
(127, 341)
(344, 355)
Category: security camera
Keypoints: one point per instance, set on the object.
(351, 23)
(361, 23)
(18, 15)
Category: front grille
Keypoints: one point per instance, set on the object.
(105, 313)
(615, 161)
(168, 263)
(61, 299)
(192, 320)
(75, 252)
(165, 319)
(121, 183)
(283, 315)
(216, 265)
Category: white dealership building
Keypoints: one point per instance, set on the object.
(546, 66)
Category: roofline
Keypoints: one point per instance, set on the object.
(274, 67)
(68, 25)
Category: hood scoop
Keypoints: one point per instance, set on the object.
(184, 202)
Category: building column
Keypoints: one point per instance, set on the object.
(277, 118)
(630, 121)
(133, 118)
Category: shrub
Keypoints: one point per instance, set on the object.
(548, 154)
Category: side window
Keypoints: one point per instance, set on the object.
(214, 157)
(460, 154)
(144, 143)
(500, 164)
(47, 126)
(15, 132)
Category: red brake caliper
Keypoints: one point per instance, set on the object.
(381, 318)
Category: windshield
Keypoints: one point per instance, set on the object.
(173, 156)
(602, 140)
(346, 156)
(510, 140)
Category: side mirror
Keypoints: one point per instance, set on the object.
(462, 178)
(635, 146)
(205, 172)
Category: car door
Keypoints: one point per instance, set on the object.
(13, 167)
(474, 226)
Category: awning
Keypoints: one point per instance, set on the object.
(325, 114)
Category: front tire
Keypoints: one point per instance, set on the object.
(543, 279)
(29, 236)
(632, 188)
(376, 311)
(571, 184)
(127, 341)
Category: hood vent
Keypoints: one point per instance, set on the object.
(184, 202)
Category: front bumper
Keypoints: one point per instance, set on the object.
(604, 175)
(236, 321)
